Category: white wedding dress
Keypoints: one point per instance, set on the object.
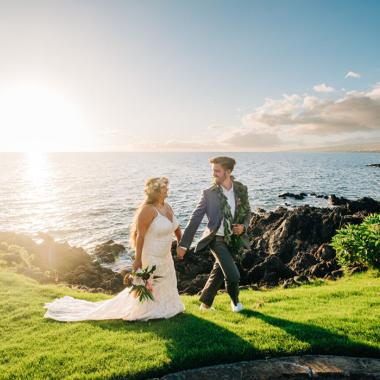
(166, 303)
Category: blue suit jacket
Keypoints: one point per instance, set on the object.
(209, 204)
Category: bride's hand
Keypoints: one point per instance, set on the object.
(136, 265)
(181, 252)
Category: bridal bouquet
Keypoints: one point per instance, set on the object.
(141, 283)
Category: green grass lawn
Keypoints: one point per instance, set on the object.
(341, 317)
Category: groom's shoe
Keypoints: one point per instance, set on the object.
(236, 308)
(205, 308)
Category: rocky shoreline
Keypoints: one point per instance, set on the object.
(59, 263)
(288, 247)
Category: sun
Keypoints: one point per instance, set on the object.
(35, 118)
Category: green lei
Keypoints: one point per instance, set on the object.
(234, 242)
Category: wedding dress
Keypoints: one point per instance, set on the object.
(166, 303)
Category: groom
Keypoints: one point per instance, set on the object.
(227, 208)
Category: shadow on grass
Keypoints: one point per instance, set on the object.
(191, 342)
(321, 340)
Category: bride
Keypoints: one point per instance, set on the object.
(151, 236)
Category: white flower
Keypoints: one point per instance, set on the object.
(138, 281)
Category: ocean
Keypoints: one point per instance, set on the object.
(89, 198)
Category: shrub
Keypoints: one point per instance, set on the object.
(359, 244)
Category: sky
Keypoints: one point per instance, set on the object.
(199, 75)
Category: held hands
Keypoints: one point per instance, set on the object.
(238, 229)
(181, 252)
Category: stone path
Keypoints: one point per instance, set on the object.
(292, 367)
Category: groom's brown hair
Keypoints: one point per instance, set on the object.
(225, 162)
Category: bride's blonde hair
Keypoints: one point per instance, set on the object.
(152, 189)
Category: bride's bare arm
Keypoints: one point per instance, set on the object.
(178, 234)
(178, 231)
(144, 220)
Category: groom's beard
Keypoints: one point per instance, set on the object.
(220, 180)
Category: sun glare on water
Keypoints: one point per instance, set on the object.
(36, 168)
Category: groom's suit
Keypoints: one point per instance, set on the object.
(224, 268)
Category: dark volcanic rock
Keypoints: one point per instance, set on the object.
(319, 195)
(357, 269)
(270, 272)
(285, 232)
(325, 253)
(50, 261)
(337, 273)
(323, 268)
(302, 279)
(366, 204)
(302, 261)
(291, 195)
(108, 251)
(285, 243)
(193, 286)
(193, 270)
(301, 196)
(93, 275)
(290, 282)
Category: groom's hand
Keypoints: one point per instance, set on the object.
(181, 252)
(238, 229)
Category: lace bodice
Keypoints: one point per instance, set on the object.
(159, 236)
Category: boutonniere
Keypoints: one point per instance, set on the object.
(238, 201)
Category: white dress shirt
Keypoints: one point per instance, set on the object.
(231, 201)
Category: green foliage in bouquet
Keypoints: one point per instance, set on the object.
(141, 283)
(359, 244)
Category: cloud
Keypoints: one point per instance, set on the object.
(323, 88)
(356, 111)
(352, 74)
(292, 122)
